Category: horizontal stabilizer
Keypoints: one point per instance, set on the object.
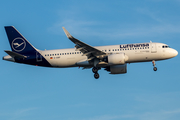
(14, 54)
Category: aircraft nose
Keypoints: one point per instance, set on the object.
(174, 53)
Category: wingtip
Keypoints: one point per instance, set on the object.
(64, 29)
(67, 33)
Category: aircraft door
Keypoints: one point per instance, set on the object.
(153, 48)
(38, 57)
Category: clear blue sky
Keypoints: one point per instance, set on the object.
(38, 93)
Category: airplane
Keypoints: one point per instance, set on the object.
(113, 58)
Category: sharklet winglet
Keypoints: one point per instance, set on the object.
(67, 33)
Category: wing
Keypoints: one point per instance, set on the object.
(86, 49)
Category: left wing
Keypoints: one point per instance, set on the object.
(86, 49)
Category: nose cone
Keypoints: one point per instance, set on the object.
(174, 53)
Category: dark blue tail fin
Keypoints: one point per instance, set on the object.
(18, 43)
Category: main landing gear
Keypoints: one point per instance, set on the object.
(95, 71)
(154, 65)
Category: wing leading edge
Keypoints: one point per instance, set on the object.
(86, 49)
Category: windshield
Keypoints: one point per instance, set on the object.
(165, 46)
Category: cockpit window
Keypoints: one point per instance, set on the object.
(165, 46)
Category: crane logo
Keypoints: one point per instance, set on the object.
(18, 44)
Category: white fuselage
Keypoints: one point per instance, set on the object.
(70, 57)
(113, 58)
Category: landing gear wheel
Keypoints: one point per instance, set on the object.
(96, 75)
(154, 64)
(95, 70)
(155, 68)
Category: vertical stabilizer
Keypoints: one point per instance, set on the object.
(18, 43)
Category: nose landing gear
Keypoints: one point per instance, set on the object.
(154, 65)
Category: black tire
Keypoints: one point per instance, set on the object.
(95, 70)
(155, 68)
(96, 75)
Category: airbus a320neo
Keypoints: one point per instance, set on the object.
(113, 58)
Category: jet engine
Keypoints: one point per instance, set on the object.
(118, 69)
(117, 59)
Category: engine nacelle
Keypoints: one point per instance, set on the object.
(117, 59)
(118, 69)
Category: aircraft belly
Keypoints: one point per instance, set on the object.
(137, 57)
(144, 57)
(65, 61)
